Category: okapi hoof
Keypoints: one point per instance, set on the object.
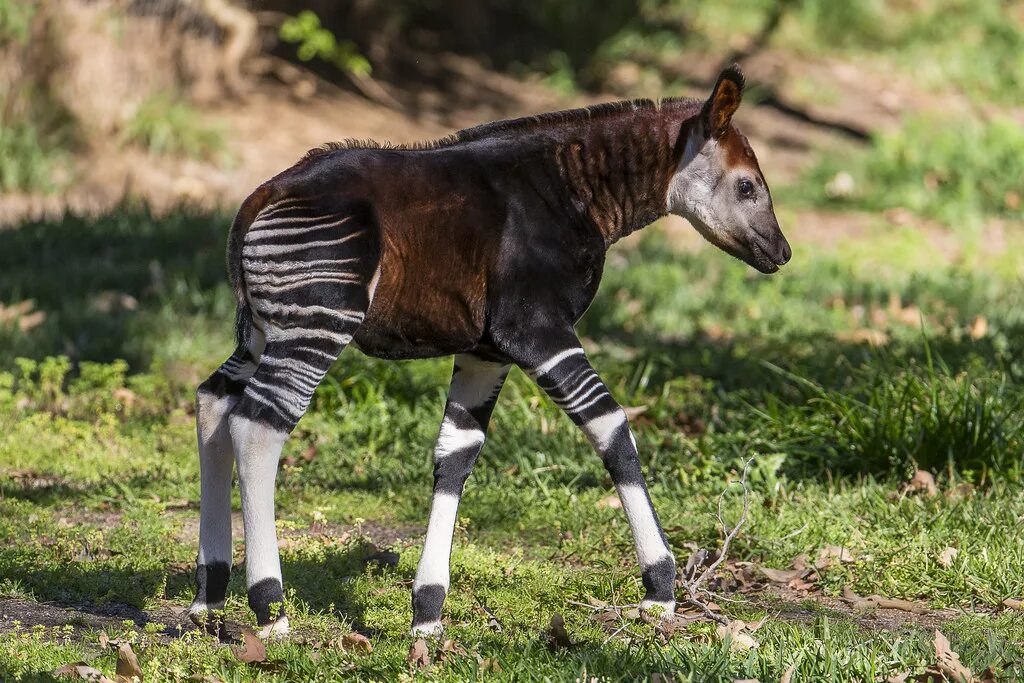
(209, 619)
(666, 608)
(429, 629)
(275, 630)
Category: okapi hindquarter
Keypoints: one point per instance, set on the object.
(488, 245)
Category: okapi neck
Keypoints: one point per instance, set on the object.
(618, 169)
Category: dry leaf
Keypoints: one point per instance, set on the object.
(419, 655)
(254, 650)
(81, 671)
(734, 633)
(831, 554)
(781, 575)
(898, 678)
(947, 556)
(922, 482)
(611, 501)
(801, 562)
(633, 411)
(787, 675)
(1013, 603)
(489, 665)
(450, 648)
(949, 662)
(979, 328)
(355, 642)
(558, 637)
(127, 664)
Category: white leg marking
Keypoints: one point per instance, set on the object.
(476, 381)
(215, 468)
(601, 430)
(550, 363)
(437, 549)
(451, 439)
(649, 545)
(668, 608)
(430, 629)
(257, 449)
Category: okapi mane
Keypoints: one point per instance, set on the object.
(510, 126)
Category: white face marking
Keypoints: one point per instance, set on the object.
(433, 567)
(650, 547)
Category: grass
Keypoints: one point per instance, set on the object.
(168, 126)
(98, 499)
(957, 172)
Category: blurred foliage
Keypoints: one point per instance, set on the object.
(168, 125)
(315, 42)
(15, 19)
(954, 171)
(27, 158)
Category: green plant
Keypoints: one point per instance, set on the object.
(166, 125)
(313, 41)
(27, 158)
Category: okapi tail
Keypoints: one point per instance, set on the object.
(247, 213)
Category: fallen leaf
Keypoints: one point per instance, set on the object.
(901, 677)
(878, 601)
(801, 562)
(947, 556)
(922, 482)
(949, 662)
(979, 327)
(1013, 603)
(419, 655)
(633, 614)
(81, 671)
(787, 675)
(254, 650)
(557, 636)
(734, 633)
(962, 490)
(450, 648)
(633, 411)
(128, 667)
(611, 501)
(781, 575)
(489, 664)
(832, 554)
(356, 642)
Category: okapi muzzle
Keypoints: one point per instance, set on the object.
(487, 245)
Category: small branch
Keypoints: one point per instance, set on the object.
(694, 587)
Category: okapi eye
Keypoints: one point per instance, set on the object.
(746, 188)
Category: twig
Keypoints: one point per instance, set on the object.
(694, 587)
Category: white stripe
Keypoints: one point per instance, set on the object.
(433, 567)
(273, 289)
(451, 439)
(261, 267)
(295, 309)
(650, 547)
(550, 363)
(286, 333)
(601, 430)
(250, 251)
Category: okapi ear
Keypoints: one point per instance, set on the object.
(724, 101)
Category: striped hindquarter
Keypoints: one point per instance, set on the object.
(308, 281)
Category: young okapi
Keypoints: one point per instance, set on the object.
(488, 245)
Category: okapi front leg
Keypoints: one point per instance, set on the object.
(568, 378)
(474, 391)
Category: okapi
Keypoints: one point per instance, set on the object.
(489, 245)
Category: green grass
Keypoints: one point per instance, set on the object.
(168, 126)
(957, 172)
(100, 478)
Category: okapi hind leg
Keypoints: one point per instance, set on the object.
(566, 375)
(474, 390)
(215, 399)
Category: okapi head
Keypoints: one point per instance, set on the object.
(719, 186)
